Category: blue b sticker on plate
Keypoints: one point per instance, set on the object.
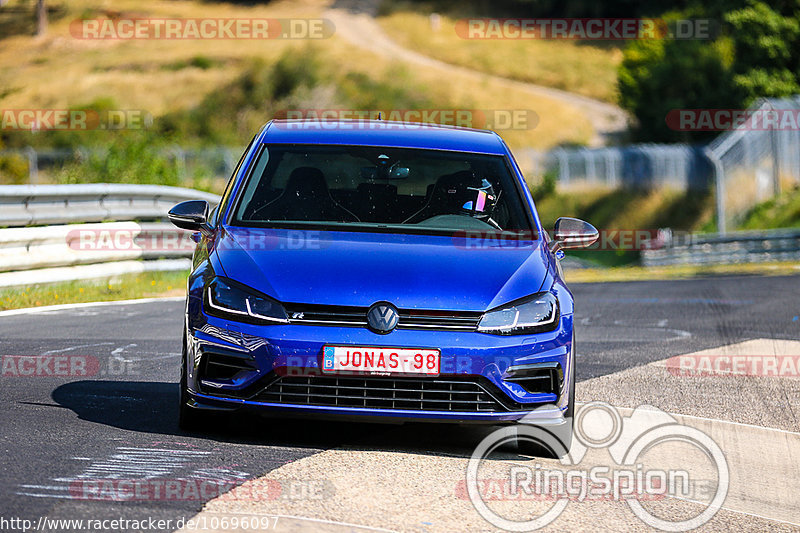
(327, 357)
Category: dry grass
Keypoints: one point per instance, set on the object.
(569, 65)
(58, 71)
(557, 123)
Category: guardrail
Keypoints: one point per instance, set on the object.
(50, 247)
(27, 205)
(66, 251)
(731, 248)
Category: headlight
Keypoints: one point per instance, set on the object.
(533, 314)
(225, 297)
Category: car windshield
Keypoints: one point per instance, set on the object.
(376, 188)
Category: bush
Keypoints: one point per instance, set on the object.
(299, 79)
(657, 76)
(231, 114)
(132, 158)
(766, 43)
(547, 187)
(13, 169)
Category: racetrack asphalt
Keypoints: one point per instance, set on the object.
(61, 433)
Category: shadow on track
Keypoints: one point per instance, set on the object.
(152, 407)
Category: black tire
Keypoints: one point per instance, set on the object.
(563, 434)
(189, 418)
(570, 412)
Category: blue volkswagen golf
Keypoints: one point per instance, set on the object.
(378, 271)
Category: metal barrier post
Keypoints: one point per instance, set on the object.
(33, 165)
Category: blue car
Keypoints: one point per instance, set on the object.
(378, 271)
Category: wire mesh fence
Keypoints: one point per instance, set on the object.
(757, 160)
(747, 165)
(642, 166)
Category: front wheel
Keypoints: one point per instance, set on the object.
(189, 418)
(557, 444)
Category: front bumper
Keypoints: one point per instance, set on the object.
(246, 360)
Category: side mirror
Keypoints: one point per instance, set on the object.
(573, 233)
(191, 215)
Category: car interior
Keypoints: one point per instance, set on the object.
(391, 192)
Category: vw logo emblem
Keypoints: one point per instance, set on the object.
(382, 317)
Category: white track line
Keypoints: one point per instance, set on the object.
(61, 307)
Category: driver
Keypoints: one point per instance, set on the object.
(483, 200)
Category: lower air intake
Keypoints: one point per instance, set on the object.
(382, 393)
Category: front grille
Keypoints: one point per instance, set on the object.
(416, 319)
(431, 394)
(337, 315)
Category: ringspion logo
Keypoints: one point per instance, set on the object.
(630, 470)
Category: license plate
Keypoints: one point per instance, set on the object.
(381, 361)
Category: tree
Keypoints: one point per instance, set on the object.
(657, 76)
(766, 43)
(754, 56)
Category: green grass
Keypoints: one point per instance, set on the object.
(649, 210)
(628, 209)
(780, 212)
(125, 287)
(624, 210)
(638, 273)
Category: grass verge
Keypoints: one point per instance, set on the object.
(638, 273)
(783, 211)
(626, 210)
(126, 287)
(162, 284)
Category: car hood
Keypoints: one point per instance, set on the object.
(361, 268)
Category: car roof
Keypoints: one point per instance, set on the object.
(383, 133)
